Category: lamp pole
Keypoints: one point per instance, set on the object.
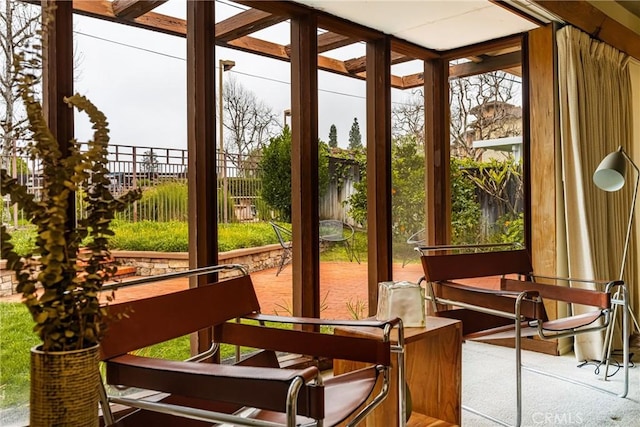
(286, 113)
(610, 176)
(224, 65)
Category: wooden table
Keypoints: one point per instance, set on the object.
(433, 371)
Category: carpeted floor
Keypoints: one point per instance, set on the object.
(488, 378)
(488, 385)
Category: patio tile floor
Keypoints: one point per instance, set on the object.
(341, 282)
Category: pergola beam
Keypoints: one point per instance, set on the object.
(101, 9)
(358, 65)
(245, 23)
(131, 9)
(330, 40)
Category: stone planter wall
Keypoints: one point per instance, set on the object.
(155, 263)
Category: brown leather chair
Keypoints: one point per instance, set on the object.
(515, 308)
(255, 391)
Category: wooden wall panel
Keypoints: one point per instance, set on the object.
(543, 119)
(544, 175)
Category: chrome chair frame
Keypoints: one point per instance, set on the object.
(618, 299)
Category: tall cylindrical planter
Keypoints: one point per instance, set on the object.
(64, 388)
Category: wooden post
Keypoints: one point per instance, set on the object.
(437, 186)
(57, 78)
(378, 166)
(304, 166)
(201, 143)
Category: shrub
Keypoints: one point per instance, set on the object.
(465, 208)
(166, 201)
(276, 173)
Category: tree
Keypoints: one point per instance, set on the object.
(333, 136)
(355, 138)
(18, 24)
(482, 108)
(408, 189)
(150, 162)
(276, 172)
(407, 117)
(249, 121)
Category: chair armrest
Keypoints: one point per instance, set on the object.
(325, 322)
(369, 349)
(602, 285)
(264, 388)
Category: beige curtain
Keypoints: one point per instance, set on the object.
(595, 119)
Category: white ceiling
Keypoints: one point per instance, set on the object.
(435, 24)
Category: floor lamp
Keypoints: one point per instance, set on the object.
(610, 176)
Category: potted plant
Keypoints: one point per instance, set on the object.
(63, 295)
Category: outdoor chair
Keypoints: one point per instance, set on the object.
(417, 239)
(517, 308)
(284, 238)
(332, 230)
(254, 391)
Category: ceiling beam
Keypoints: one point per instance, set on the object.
(488, 64)
(245, 23)
(131, 9)
(509, 62)
(412, 50)
(487, 47)
(592, 20)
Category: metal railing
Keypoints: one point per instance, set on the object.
(162, 175)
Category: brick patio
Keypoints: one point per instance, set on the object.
(341, 282)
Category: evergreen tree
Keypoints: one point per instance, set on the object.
(333, 136)
(355, 138)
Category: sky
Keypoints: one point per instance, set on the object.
(138, 79)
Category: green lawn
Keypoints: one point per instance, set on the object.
(17, 338)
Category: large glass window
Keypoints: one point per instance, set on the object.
(486, 149)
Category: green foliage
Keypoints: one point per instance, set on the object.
(496, 179)
(358, 200)
(355, 137)
(166, 201)
(333, 136)
(243, 187)
(276, 173)
(245, 235)
(263, 210)
(16, 338)
(509, 228)
(323, 168)
(407, 189)
(407, 168)
(465, 208)
(172, 236)
(21, 167)
(67, 313)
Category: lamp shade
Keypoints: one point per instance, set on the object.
(609, 176)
